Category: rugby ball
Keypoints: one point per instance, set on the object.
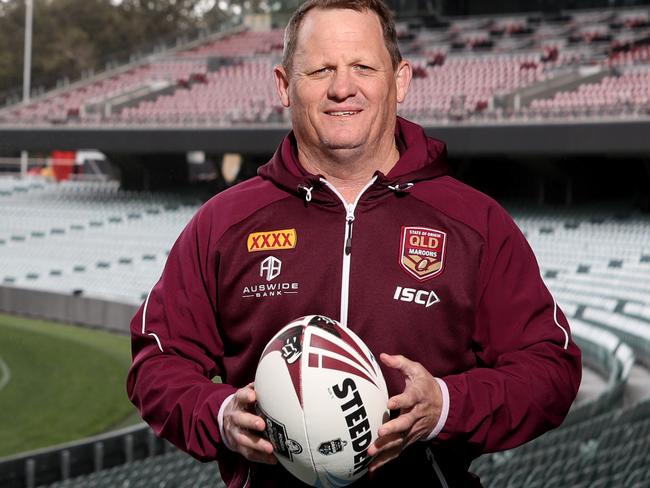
(323, 398)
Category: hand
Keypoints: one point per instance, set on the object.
(242, 428)
(420, 406)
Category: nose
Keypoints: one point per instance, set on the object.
(342, 85)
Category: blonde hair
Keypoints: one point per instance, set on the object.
(376, 6)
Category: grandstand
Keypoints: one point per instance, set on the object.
(463, 70)
(529, 84)
(87, 239)
(595, 259)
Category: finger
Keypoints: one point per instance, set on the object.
(400, 425)
(403, 401)
(255, 448)
(246, 420)
(253, 442)
(392, 361)
(400, 362)
(245, 395)
(383, 458)
(385, 443)
(258, 457)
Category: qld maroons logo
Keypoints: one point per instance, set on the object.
(422, 252)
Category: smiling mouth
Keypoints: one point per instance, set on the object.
(344, 113)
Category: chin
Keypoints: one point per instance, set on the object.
(341, 144)
(342, 140)
(343, 147)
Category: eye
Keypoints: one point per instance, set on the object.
(362, 67)
(321, 71)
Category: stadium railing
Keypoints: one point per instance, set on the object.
(606, 354)
(46, 466)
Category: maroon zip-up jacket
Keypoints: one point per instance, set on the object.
(421, 265)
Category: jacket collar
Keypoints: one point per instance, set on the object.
(421, 158)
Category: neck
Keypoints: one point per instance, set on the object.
(348, 170)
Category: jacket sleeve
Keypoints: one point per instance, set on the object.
(177, 348)
(529, 368)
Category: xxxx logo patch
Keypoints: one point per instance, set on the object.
(422, 252)
(272, 240)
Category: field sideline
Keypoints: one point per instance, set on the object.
(62, 383)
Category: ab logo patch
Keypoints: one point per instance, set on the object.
(422, 252)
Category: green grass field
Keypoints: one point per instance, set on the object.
(65, 383)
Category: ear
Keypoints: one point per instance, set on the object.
(403, 76)
(282, 85)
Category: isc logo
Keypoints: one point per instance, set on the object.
(421, 297)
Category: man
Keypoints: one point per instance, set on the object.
(355, 218)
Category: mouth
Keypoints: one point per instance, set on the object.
(343, 113)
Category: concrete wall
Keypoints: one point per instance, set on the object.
(91, 312)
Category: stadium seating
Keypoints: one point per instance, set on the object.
(461, 71)
(627, 93)
(98, 241)
(597, 264)
(166, 470)
(466, 83)
(87, 238)
(605, 353)
(219, 98)
(59, 107)
(596, 260)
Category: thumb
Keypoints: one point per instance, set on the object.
(389, 360)
(246, 395)
(399, 362)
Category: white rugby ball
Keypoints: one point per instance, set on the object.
(323, 398)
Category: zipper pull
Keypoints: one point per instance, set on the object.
(348, 242)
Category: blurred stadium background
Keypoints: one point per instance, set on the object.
(133, 113)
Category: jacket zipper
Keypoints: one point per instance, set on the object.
(436, 468)
(248, 479)
(347, 246)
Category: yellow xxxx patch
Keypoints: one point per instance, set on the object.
(272, 240)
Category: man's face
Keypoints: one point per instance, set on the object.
(342, 89)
